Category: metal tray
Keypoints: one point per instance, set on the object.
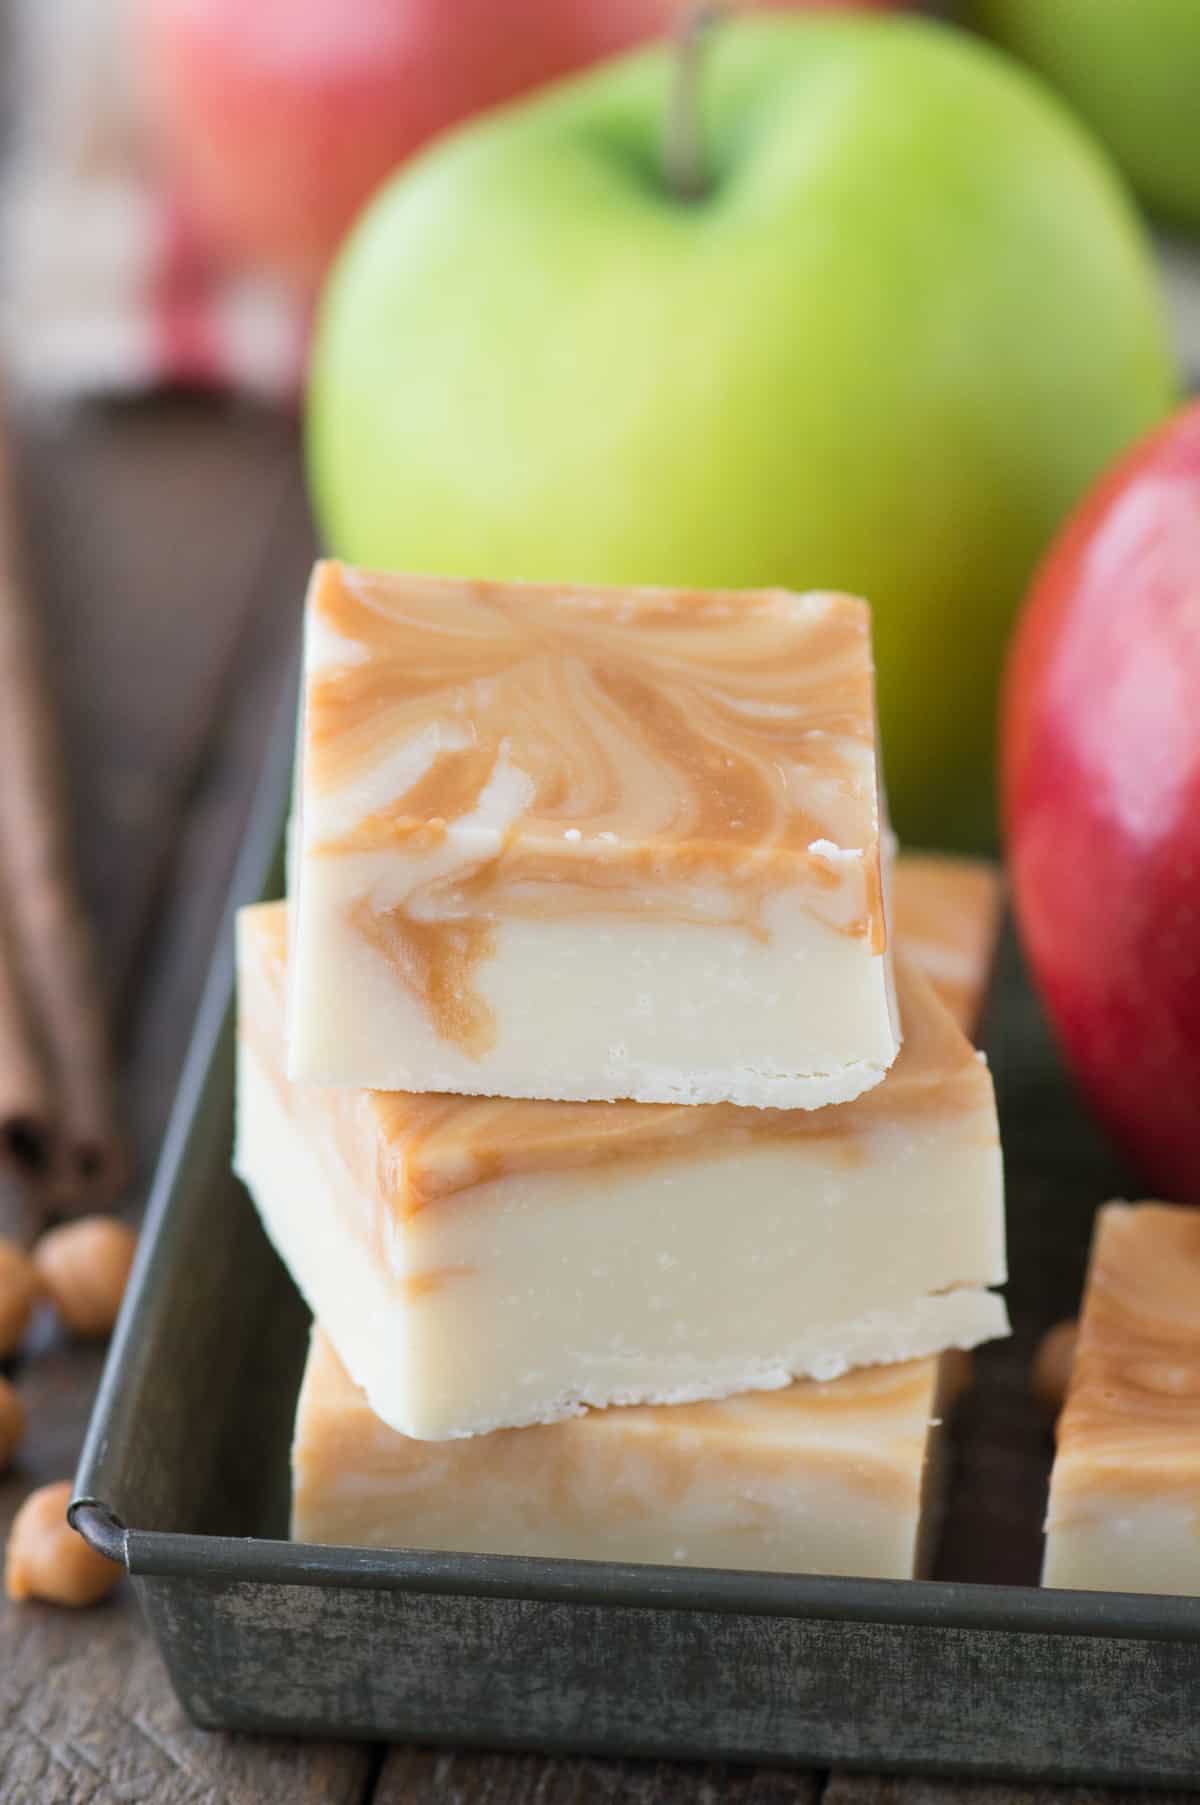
(184, 1478)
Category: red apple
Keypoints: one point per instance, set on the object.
(1101, 770)
(282, 116)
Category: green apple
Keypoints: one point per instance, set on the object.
(1132, 69)
(908, 320)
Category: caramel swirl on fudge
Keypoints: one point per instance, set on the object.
(442, 1144)
(1133, 1405)
(842, 1477)
(687, 716)
(535, 752)
(486, 1262)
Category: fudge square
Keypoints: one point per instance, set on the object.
(482, 1263)
(1124, 1510)
(586, 843)
(843, 1477)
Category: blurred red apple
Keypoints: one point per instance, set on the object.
(282, 116)
(1101, 730)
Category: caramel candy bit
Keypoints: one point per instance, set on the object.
(47, 1559)
(84, 1266)
(20, 1289)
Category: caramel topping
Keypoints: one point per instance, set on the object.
(691, 715)
(426, 1148)
(1132, 1417)
(449, 789)
(435, 960)
(676, 755)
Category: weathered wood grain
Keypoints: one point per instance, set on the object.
(423, 1776)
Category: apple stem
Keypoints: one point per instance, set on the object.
(683, 148)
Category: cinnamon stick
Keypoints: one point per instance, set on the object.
(65, 1032)
(27, 1116)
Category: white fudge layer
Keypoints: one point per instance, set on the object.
(479, 1265)
(596, 1007)
(1145, 1544)
(817, 1478)
(589, 844)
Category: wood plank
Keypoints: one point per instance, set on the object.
(112, 1731)
(422, 1776)
(86, 1713)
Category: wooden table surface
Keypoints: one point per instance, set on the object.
(171, 543)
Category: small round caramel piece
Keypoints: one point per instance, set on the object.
(84, 1267)
(12, 1422)
(1052, 1364)
(48, 1559)
(20, 1288)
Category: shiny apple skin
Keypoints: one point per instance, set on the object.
(1101, 780)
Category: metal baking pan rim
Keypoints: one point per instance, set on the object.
(931, 1604)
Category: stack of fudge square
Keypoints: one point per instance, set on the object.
(603, 1084)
